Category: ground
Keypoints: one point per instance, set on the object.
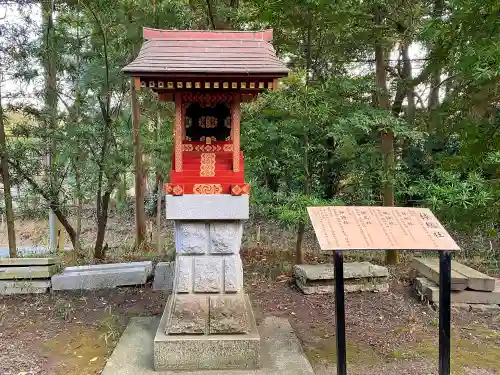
(388, 333)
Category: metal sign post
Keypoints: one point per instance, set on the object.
(385, 228)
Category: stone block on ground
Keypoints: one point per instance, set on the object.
(28, 272)
(148, 266)
(4, 262)
(329, 288)
(354, 270)
(188, 315)
(228, 314)
(430, 291)
(101, 279)
(358, 277)
(8, 287)
(164, 276)
(429, 268)
(281, 352)
(205, 352)
(476, 280)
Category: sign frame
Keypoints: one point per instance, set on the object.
(340, 228)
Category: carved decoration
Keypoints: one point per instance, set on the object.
(188, 147)
(178, 133)
(207, 189)
(207, 165)
(235, 122)
(228, 148)
(241, 189)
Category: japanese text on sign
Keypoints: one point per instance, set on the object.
(379, 228)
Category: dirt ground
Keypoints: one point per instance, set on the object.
(388, 333)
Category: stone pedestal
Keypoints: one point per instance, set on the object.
(208, 321)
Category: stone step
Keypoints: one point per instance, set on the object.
(354, 270)
(148, 266)
(476, 280)
(8, 287)
(329, 288)
(430, 291)
(429, 267)
(100, 279)
(7, 262)
(28, 272)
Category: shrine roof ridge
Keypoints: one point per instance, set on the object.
(151, 33)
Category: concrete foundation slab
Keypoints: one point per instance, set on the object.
(8, 287)
(354, 270)
(430, 291)
(317, 288)
(103, 279)
(148, 265)
(281, 352)
(207, 207)
(29, 261)
(208, 352)
(164, 277)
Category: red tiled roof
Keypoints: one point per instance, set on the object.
(169, 52)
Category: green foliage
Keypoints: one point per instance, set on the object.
(315, 141)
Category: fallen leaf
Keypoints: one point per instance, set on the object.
(94, 359)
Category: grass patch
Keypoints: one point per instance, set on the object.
(356, 353)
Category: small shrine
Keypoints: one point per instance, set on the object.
(208, 321)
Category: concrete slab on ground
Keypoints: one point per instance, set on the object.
(8, 287)
(101, 279)
(281, 352)
(148, 265)
(353, 270)
(429, 267)
(28, 272)
(4, 251)
(7, 262)
(430, 290)
(324, 288)
(476, 280)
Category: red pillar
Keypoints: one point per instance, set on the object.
(178, 132)
(235, 127)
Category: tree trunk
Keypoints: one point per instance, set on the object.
(9, 212)
(159, 189)
(436, 75)
(79, 209)
(387, 138)
(140, 217)
(299, 254)
(50, 71)
(99, 249)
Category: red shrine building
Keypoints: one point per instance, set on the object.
(207, 74)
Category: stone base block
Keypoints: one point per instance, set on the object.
(206, 352)
(102, 279)
(207, 207)
(164, 277)
(28, 272)
(329, 288)
(8, 287)
(148, 266)
(430, 291)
